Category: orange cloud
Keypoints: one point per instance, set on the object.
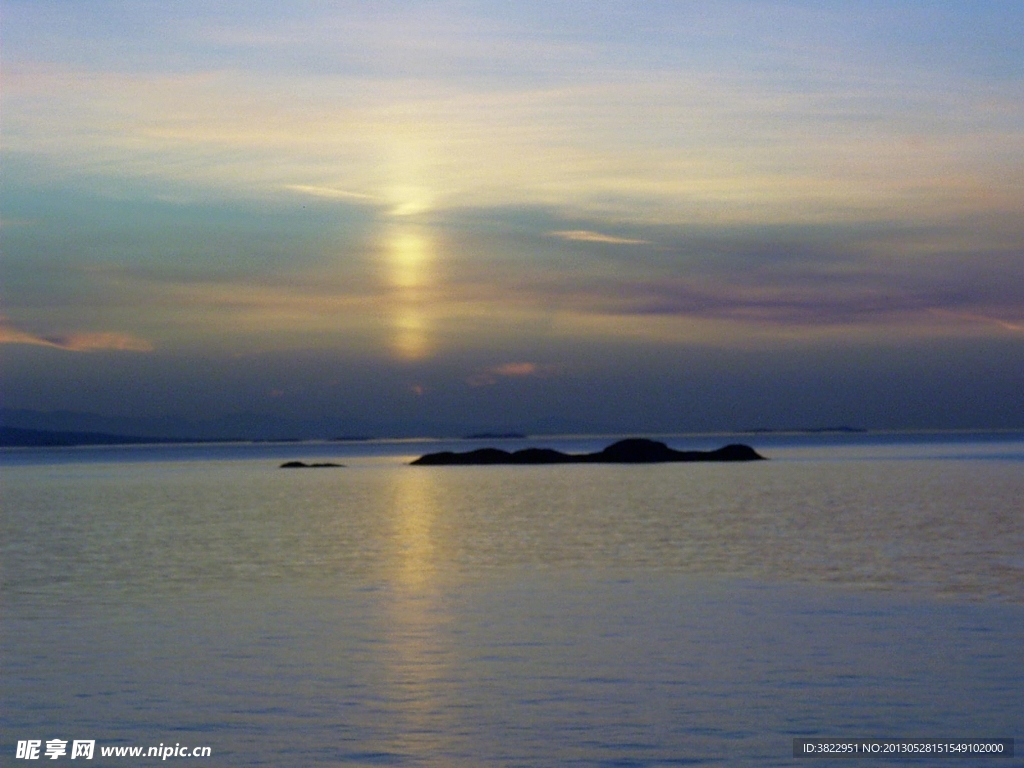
(491, 375)
(76, 342)
(516, 369)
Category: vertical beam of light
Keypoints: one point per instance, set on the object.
(409, 255)
(410, 157)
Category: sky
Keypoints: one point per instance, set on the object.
(433, 217)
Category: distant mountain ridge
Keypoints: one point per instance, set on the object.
(13, 437)
(249, 425)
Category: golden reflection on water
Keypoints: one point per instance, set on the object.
(409, 256)
(417, 649)
(414, 564)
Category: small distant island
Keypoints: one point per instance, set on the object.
(806, 430)
(304, 465)
(630, 451)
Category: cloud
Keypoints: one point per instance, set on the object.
(516, 369)
(586, 236)
(329, 192)
(76, 342)
(769, 303)
(491, 375)
(712, 146)
(786, 279)
(975, 318)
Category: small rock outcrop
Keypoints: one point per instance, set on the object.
(304, 465)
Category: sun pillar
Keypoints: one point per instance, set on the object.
(409, 254)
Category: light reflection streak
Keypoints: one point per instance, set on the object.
(415, 512)
(417, 652)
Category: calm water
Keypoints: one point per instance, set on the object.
(513, 616)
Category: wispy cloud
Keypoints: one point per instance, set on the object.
(622, 135)
(712, 146)
(76, 342)
(587, 236)
(975, 318)
(330, 192)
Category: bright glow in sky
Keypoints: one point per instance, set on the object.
(437, 200)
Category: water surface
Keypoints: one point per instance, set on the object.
(556, 615)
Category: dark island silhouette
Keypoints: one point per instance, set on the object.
(631, 451)
(304, 465)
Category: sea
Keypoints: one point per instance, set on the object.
(200, 601)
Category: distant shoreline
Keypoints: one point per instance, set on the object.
(14, 437)
(18, 437)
